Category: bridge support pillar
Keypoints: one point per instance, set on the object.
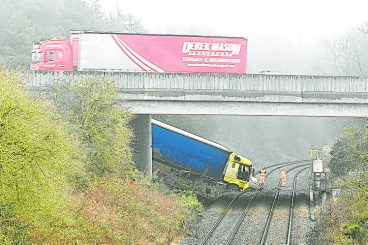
(142, 154)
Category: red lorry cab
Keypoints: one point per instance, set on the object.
(52, 55)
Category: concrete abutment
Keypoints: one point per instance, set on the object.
(142, 154)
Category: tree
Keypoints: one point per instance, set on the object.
(349, 54)
(91, 105)
(350, 153)
(17, 35)
(38, 162)
(28, 21)
(124, 23)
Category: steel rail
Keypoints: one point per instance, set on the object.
(291, 213)
(295, 161)
(281, 165)
(247, 207)
(240, 220)
(227, 209)
(270, 213)
(287, 163)
(219, 219)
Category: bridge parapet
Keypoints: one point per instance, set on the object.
(231, 94)
(184, 81)
(231, 86)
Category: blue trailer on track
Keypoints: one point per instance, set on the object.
(196, 154)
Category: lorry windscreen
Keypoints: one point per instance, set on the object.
(37, 57)
(244, 172)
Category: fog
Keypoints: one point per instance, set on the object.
(266, 140)
(282, 38)
(282, 42)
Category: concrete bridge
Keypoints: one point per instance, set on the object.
(223, 94)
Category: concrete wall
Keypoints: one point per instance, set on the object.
(142, 154)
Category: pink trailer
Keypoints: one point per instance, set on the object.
(92, 51)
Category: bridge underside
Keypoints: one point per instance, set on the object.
(222, 94)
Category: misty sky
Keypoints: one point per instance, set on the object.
(279, 32)
(284, 36)
(298, 19)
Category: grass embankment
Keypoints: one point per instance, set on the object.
(66, 174)
(346, 221)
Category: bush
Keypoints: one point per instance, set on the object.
(38, 159)
(189, 200)
(51, 192)
(12, 230)
(347, 219)
(92, 106)
(128, 212)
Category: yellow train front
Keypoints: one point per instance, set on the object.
(238, 172)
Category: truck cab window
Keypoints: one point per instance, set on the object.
(243, 173)
(50, 56)
(33, 57)
(37, 57)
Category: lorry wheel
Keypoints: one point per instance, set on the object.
(233, 187)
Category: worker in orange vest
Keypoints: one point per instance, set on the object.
(283, 177)
(262, 176)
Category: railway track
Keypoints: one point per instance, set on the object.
(291, 210)
(245, 209)
(219, 220)
(266, 229)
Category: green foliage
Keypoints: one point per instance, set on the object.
(47, 195)
(27, 21)
(12, 230)
(126, 212)
(350, 153)
(347, 219)
(17, 36)
(189, 200)
(354, 231)
(37, 160)
(92, 107)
